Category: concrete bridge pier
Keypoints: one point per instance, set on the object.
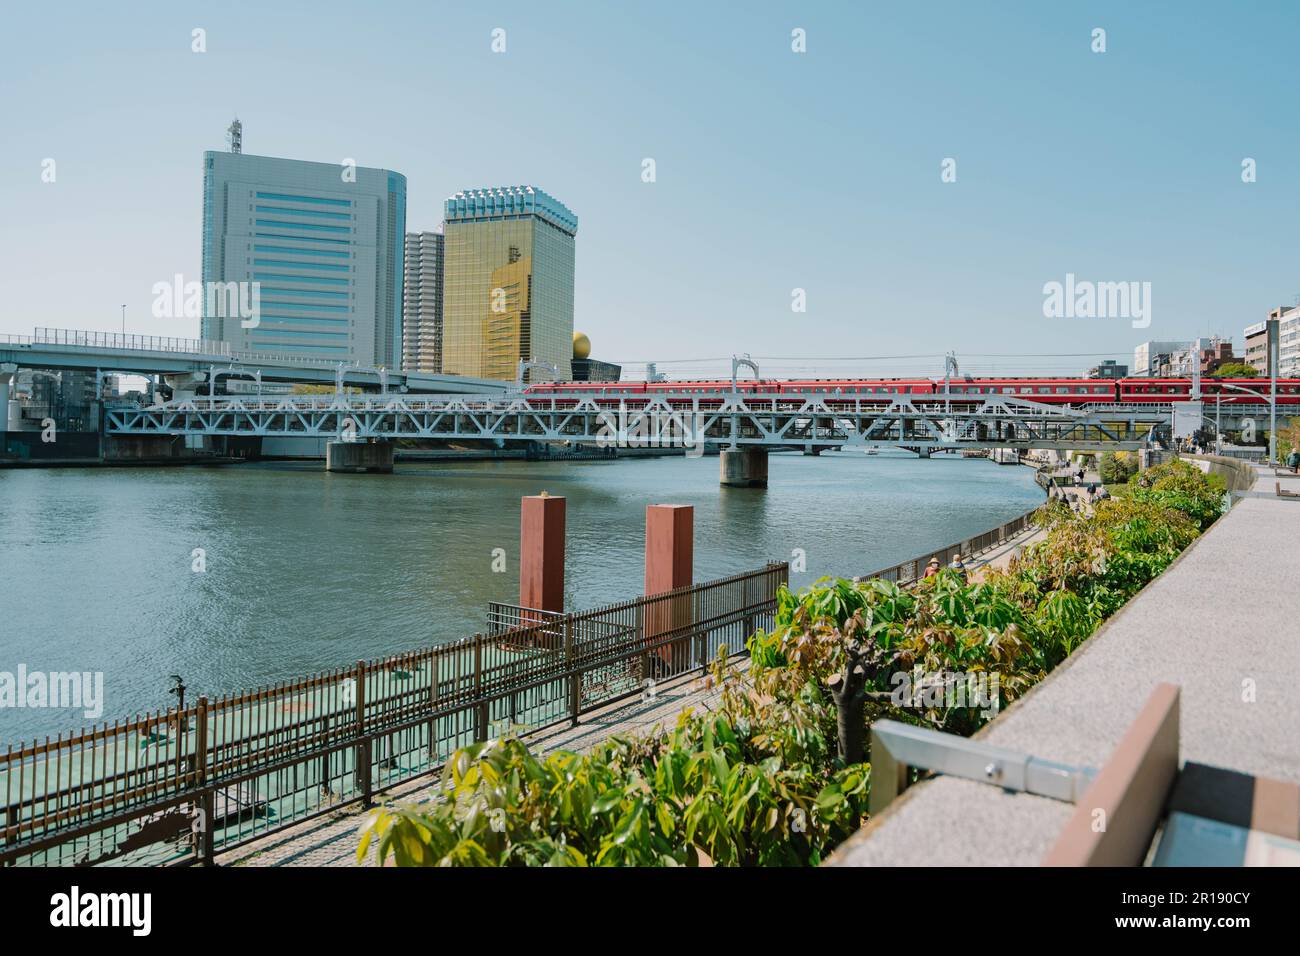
(7, 372)
(359, 457)
(185, 385)
(743, 467)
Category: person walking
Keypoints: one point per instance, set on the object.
(958, 568)
(932, 568)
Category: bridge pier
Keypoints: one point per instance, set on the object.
(184, 385)
(743, 467)
(7, 372)
(359, 457)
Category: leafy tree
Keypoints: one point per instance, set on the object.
(1236, 370)
(1117, 467)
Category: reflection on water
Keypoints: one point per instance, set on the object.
(307, 570)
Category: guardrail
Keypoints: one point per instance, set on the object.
(119, 340)
(907, 572)
(177, 785)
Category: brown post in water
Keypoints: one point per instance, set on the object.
(541, 552)
(669, 564)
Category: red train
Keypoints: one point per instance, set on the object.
(1056, 391)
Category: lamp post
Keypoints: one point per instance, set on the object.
(1271, 398)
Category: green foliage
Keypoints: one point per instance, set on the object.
(1117, 467)
(1181, 487)
(1236, 370)
(758, 780)
(753, 784)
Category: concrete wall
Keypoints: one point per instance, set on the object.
(1239, 475)
(128, 447)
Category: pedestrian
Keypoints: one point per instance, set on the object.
(958, 568)
(932, 568)
(1293, 460)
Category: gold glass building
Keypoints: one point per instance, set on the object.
(507, 282)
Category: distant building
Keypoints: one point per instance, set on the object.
(324, 243)
(1288, 336)
(422, 303)
(1220, 353)
(1257, 347)
(1146, 356)
(1208, 354)
(587, 369)
(1162, 359)
(507, 282)
(1108, 369)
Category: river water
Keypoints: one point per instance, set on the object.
(306, 570)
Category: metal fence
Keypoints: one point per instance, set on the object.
(908, 571)
(178, 785)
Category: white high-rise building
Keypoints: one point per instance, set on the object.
(323, 242)
(422, 303)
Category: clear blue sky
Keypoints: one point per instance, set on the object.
(775, 170)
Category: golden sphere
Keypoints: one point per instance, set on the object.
(581, 345)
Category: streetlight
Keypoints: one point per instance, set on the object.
(1271, 398)
(123, 318)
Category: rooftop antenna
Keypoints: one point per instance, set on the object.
(235, 136)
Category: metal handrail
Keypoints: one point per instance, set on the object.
(906, 572)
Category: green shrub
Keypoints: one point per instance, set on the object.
(1181, 487)
(1117, 467)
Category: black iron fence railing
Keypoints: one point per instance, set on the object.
(179, 785)
(907, 572)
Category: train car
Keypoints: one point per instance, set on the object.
(710, 391)
(1226, 390)
(1048, 391)
(849, 389)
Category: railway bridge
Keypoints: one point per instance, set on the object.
(362, 429)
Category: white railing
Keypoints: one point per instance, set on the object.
(129, 341)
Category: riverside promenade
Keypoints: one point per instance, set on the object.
(1223, 623)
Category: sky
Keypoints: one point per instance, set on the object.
(775, 170)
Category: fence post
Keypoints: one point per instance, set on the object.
(201, 742)
(480, 706)
(638, 635)
(325, 760)
(435, 662)
(363, 766)
(575, 678)
(204, 844)
(702, 636)
(364, 783)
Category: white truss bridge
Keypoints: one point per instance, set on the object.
(805, 421)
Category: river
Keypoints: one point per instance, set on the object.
(305, 570)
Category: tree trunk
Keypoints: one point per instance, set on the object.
(850, 718)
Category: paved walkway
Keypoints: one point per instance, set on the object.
(1223, 622)
(331, 840)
